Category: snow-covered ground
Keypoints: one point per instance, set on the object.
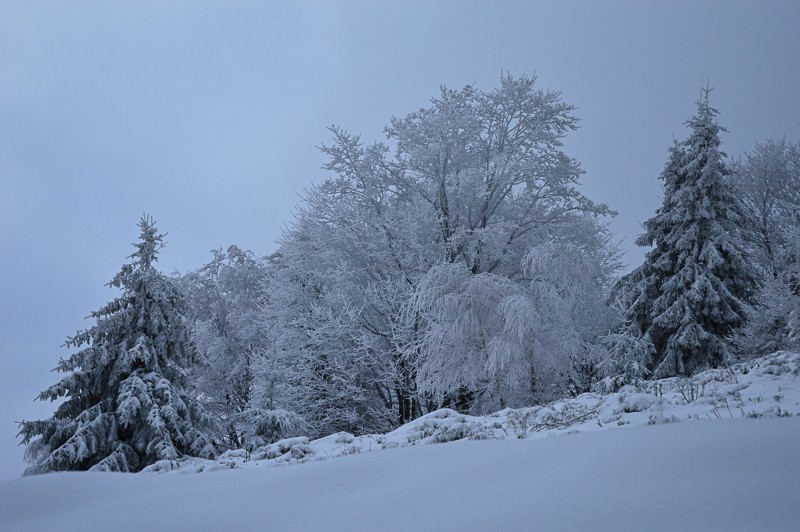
(556, 467)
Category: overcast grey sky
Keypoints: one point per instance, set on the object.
(206, 115)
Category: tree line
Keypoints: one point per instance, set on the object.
(456, 264)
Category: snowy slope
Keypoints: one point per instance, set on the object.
(708, 475)
(766, 387)
(589, 463)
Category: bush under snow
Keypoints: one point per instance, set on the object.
(764, 387)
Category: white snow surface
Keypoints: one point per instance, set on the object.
(554, 467)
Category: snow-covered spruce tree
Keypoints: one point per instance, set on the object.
(693, 289)
(125, 406)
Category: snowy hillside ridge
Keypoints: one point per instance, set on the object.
(763, 387)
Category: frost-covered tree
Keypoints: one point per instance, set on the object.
(489, 168)
(461, 192)
(568, 282)
(768, 320)
(236, 377)
(774, 320)
(768, 181)
(792, 277)
(629, 350)
(125, 399)
(513, 342)
(693, 289)
(335, 375)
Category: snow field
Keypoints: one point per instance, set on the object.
(740, 474)
(723, 457)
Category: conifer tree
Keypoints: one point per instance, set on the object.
(125, 403)
(694, 286)
(630, 352)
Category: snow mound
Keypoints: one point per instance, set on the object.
(764, 387)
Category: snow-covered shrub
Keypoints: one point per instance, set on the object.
(269, 426)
